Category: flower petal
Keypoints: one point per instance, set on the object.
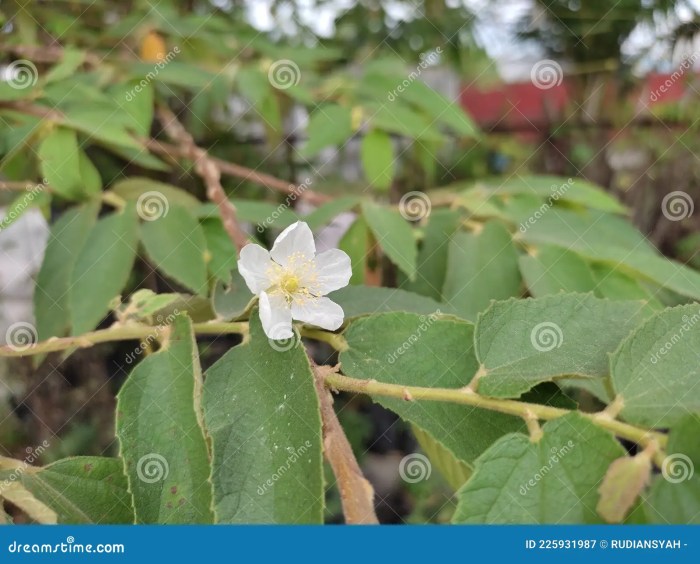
(322, 312)
(333, 271)
(297, 238)
(254, 265)
(276, 316)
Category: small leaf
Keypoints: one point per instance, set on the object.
(623, 482)
(394, 235)
(553, 270)
(328, 125)
(355, 242)
(325, 213)
(230, 299)
(222, 252)
(59, 157)
(135, 186)
(377, 155)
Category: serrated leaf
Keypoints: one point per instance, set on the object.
(51, 294)
(480, 268)
(84, 489)
(161, 435)
(429, 351)
(394, 235)
(59, 158)
(377, 156)
(623, 482)
(554, 480)
(520, 343)
(175, 243)
(102, 269)
(263, 418)
(656, 369)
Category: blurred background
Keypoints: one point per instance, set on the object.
(606, 91)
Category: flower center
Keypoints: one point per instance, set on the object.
(289, 283)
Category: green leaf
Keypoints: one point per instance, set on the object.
(554, 480)
(656, 368)
(355, 242)
(430, 351)
(230, 298)
(51, 294)
(360, 300)
(329, 125)
(84, 489)
(102, 269)
(432, 254)
(480, 268)
(396, 118)
(623, 482)
(377, 155)
(59, 157)
(71, 60)
(325, 213)
(136, 186)
(175, 243)
(135, 100)
(520, 343)
(92, 182)
(453, 470)
(552, 270)
(161, 435)
(611, 283)
(263, 418)
(394, 235)
(675, 494)
(222, 252)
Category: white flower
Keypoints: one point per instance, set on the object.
(292, 279)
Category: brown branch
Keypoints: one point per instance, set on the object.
(210, 173)
(356, 493)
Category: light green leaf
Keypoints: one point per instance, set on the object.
(230, 298)
(453, 470)
(136, 186)
(51, 293)
(377, 155)
(161, 435)
(59, 157)
(263, 418)
(520, 343)
(71, 60)
(329, 125)
(480, 268)
(554, 480)
(430, 351)
(84, 489)
(656, 369)
(222, 252)
(552, 270)
(102, 269)
(394, 235)
(360, 300)
(175, 243)
(324, 214)
(355, 243)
